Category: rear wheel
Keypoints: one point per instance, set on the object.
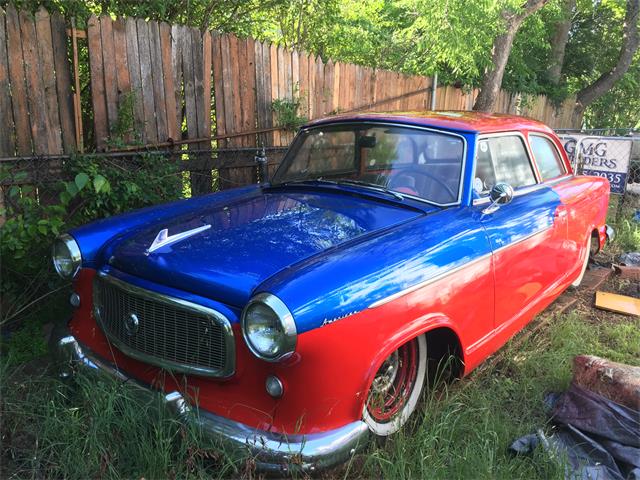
(396, 388)
(587, 254)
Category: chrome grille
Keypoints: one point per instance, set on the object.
(168, 332)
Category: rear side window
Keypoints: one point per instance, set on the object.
(502, 159)
(547, 157)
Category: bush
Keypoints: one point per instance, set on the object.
(94, 187)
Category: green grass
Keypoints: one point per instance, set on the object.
(104, 430)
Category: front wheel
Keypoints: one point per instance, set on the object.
(396, 388)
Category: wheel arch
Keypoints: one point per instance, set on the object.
(437, 329)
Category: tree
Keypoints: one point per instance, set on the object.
(492, 80)
(605, 82)
(559, 42)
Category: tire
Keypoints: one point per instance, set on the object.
(587, 254)
(396, 388)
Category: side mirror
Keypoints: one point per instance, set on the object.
(500, 194)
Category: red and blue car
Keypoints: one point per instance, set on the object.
(294, 319)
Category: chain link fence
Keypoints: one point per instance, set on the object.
(610, 153)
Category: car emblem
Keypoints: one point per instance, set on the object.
(163, 238)
(132, 324)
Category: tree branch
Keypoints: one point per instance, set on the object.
(606, 81)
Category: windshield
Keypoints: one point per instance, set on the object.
(407, 161)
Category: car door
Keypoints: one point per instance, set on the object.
(524, 235)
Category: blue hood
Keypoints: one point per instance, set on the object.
(251, 239)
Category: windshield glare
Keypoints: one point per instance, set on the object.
(409, 161)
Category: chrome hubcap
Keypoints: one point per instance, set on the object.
(386, 374)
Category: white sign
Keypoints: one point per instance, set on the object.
(607, 157)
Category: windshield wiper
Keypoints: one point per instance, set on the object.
(372, 186)
(308, 181)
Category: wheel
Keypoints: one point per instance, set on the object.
(587, 254)
(396, 388)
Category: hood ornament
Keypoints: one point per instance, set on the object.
(163, 238)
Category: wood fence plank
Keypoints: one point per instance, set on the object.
(63, 82)
(173, 127)
(100, 122)
(191, 110)
(123, 79)
(319, 94)
(218, 86)
(35, 86)
(135, 79)
(109, 71)
(242, 78)
(309, 80)
(336, 98)
(249, 97)
(206, 84)
(232, 98)
(287, 91)
(7, 134)
(268, 114)
(227, 90)
(146, 75)
(48, 77)
(158, 81)
(198, 74)
(327, 97)
(178, 77)
(261, 94)
(275, 72)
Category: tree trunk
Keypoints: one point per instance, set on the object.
(606, 81)
(501, 50)
(559, 42)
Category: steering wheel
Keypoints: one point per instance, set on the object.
(415, 171)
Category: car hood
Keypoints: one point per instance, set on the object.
(250, 239)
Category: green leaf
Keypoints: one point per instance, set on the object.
(72, 190)
(101, 184)
(81, 180)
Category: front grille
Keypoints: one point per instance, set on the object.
(168, 332)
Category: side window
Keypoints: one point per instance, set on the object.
(547, 157)
(502, 159)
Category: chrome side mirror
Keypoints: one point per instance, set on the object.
(500, 194)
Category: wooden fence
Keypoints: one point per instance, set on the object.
(36, 96)
(183, 86)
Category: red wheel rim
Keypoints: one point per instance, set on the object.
(384, 406)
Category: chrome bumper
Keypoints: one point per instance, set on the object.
(271, 452)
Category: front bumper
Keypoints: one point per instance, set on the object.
(271, 452)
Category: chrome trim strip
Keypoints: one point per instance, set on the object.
(508, 133)
(424, 283)
(271, 452)
(402, 125)
(544, 135)
(215, 316)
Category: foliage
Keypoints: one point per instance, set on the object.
(288, 112)
(95, 187)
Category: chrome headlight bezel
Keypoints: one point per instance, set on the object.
(73, 255)
(282, 319)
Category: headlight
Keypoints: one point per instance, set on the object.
(67, 259)
(268, 328)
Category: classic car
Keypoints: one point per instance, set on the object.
(295, 319)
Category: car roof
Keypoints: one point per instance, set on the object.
(465, 121)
